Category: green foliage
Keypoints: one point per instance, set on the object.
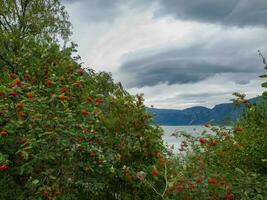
(25, 21)
(69, 133)
(230, 163)
(70, 130)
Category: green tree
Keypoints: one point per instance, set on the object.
(22, 21)
(65, 132)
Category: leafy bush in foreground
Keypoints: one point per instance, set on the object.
(70, 133)
(73, 134)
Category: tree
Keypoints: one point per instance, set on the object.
(22, 21)
(65, 132)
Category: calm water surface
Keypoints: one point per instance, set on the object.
(171, 140)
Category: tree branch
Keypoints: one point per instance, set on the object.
(3, 25)
(7, 23)
(7, 62)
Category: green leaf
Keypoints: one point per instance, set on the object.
(264, 84)
(35, 182)
(263, 76)
(239, 171)
(259, 196)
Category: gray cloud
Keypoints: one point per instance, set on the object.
(96, 10)
(236, 60)
(105, 10)
(201, 95)
(226, 12)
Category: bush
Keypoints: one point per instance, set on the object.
(70, 133)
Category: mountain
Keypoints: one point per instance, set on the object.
(198, 115)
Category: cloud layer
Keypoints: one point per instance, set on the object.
(179, 53)
(220, 54)
(226, 12)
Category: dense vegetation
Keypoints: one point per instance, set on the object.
(67, 132)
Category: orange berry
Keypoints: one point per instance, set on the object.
(23, 114)
(18, 82)
(77, 84)
(3, 133)
(29, 95)
(64, 89)
(88, 99)
(62, 98)
(154, 172)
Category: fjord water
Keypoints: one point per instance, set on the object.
(171, 140)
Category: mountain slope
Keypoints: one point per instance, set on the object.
(220, 114)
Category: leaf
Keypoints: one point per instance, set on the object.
(239, 171)
(264, 84)
(35, 182)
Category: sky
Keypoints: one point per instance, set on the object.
(178, 53)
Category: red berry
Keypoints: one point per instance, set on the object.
(202, 140)
(12, 75)
(64, 89)
(211, 181)
(238, 129)
(23, 114)
(18, 82)
(14, 93)
(229, 196)
(81, 71)
(88, 99)
(77, 84)
(3, 167)
(84, 112)
(154, 172)
(92, 154)
(98, 100)
(49, 82)
(26, 77)
(57, 193)
(3, 133)
(62, 98)
(198, 179)
(222, 182)
(245, 101)
(45, 193)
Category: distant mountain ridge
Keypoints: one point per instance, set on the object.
(198, 115)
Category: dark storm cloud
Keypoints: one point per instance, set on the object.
(226, 12)
(192, 64)
(172, 71)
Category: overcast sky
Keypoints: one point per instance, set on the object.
(179, 53)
